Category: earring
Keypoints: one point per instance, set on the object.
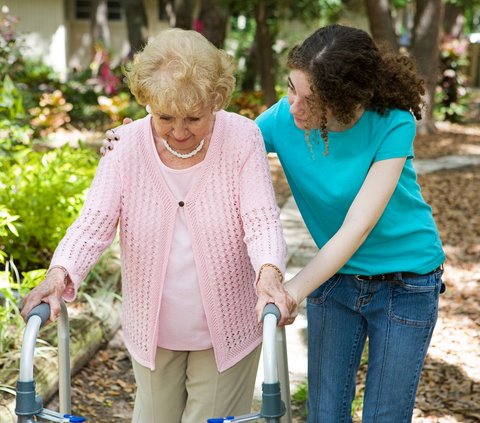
(148, 109)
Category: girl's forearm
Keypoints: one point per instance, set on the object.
(334, 254)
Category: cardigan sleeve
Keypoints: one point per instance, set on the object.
(259, 209)
(95, 228)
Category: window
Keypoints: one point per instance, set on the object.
(83, 10)
(114, 10)
(165, 8)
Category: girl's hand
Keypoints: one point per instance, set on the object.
(111, 137)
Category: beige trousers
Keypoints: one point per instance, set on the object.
(186, 387)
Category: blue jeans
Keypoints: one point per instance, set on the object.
(397, 316)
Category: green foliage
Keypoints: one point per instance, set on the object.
(299, 400)
(304, 10)
(7, 227)
(86, 113)
(35, 79)
(46, 191)
(42, 191)
(13, 135)
(11, 105)
(11, 290)
(471, 11)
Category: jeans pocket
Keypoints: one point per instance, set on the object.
(414, 301)
(319, 295)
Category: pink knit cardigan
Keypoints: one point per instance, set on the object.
(232, 216)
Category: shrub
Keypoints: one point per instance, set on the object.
(451, 102)
(46, 191)
(51, 113)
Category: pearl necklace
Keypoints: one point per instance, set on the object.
(186, 155)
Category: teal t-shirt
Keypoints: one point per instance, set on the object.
(324, 186)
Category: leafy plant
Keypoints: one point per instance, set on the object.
(46, 191)
(11, 105)
(52, 112)
(105, 79)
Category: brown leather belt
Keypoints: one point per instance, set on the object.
(399, 276)
(394, 275)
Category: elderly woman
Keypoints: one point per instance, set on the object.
(190, 190)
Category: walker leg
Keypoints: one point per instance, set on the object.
(283, 377)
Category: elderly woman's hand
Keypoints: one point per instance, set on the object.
(49, 291)
(270, 289)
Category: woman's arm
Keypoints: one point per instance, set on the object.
(263, 231)
(85, 240)
(362, 216)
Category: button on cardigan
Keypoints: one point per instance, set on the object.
(230, 211)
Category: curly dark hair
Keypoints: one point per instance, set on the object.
(347, 69)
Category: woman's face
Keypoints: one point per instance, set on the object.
(183, 133)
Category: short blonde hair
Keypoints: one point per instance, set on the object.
(181, 73)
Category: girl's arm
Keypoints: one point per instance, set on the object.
(362, 216)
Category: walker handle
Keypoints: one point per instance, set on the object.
(271, 308)
(42, 310)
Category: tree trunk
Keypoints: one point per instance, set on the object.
(265, 58)
(453, 21)
(137, 25)
(251, 69)
(183, 10)
(425, 50)
(100, 31)
(381, 23)
(212, 19)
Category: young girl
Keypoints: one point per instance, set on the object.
(344, 136)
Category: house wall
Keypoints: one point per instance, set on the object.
(80, 44)
(53, 34)
(43, 25)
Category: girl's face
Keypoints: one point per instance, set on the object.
(298, 92)
(183, 133)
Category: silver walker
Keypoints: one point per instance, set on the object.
(29, 405)
(276, 406)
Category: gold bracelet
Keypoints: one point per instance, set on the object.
(279, 272)
(65, 272)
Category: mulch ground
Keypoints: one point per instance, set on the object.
(450, 385)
